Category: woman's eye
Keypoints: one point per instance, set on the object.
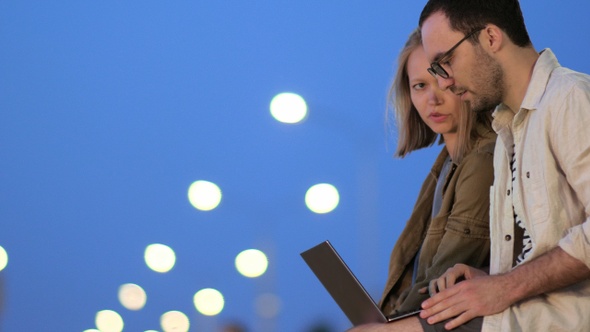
(419, 86)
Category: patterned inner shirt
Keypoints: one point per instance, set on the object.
(522, 239)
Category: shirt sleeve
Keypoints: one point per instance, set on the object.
(572, 149)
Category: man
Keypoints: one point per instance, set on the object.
(540, 201)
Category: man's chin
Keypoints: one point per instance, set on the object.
(482, 107)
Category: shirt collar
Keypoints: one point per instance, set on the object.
(544, 66)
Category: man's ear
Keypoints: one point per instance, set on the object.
(492, 38)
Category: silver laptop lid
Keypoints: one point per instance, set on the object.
(342, 285)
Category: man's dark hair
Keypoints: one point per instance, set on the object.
(469, 15)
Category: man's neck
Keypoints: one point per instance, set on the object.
(518, 70)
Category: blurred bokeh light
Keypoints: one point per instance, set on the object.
(159, 257)
(204, 195)
(251, 263)
(174, 321)
(268, 305)
(209, 301)
(288, 107)
(109, 321)
(132, 296)
(3, 258)
(322, 198)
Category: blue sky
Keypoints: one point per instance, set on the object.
(109, 110)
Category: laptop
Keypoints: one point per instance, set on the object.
(344, 287)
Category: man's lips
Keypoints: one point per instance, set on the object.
(458, 91)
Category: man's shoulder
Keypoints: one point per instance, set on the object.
(564, 88)
(563, 78)
(558, 76)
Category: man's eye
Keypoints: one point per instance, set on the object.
(447, 61)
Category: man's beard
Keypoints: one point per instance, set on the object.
(488, 80)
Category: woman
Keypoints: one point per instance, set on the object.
(449, 223)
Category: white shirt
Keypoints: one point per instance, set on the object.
(551, 137)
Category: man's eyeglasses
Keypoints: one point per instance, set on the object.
(436, 68)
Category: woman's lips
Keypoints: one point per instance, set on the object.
(437, 117)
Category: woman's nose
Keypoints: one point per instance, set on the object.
(434, 96)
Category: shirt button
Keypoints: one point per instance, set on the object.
(508, 192)
(467, 231)
(508, 237)
(528, 175)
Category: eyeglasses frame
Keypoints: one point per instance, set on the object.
(436, 68)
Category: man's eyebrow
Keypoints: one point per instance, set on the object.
(438, 56)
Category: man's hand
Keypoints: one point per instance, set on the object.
(483, 295)
(452, 276)
(478, 295)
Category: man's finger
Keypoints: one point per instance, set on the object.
(448, 308)
(450, 279)
(441, 284)
(432, 289)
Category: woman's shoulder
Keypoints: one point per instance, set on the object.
(482, 152)
(485, 143)
(477, 167)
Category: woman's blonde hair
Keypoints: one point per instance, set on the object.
(413, 133)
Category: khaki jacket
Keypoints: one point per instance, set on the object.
(458, 234)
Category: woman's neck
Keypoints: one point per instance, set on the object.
(450, 142)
